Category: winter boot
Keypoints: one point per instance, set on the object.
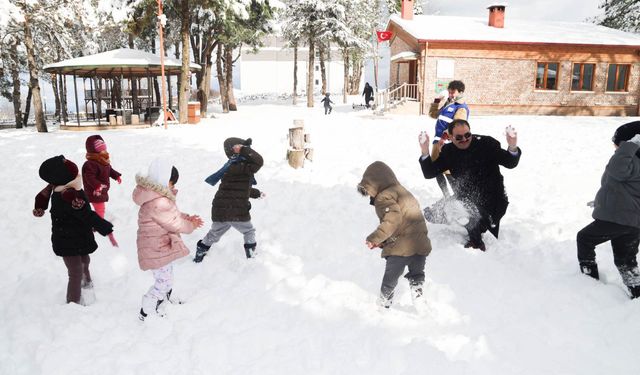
(201, 251)
(250, 250)
(473, 245)
(385, 301)
(416, 292)
(150, 305)
(87, 295)
(631, 278)
(590, 268)
(173, 299)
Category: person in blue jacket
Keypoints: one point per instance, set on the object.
(453, 108)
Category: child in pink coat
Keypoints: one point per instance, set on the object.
(159, 226)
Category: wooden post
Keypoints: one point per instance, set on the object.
(75, 90)
(297, 152)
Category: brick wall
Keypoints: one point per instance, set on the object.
(501, 86)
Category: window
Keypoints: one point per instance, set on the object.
(317, 82)
(582, 78)
(618, 77)
(317, 68)
(547, 76)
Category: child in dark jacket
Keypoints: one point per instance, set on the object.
(327, 104)
(96, 172)
(230, 206)
(73, 223)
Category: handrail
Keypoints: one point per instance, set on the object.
(396, 95)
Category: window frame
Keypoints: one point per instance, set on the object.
(545, 76)
(615, 82)
(581, 79)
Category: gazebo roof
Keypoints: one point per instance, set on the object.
(122, 61)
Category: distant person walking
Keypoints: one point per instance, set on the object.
(368, 94)
(327, 104)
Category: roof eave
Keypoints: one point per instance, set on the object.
(626, 46)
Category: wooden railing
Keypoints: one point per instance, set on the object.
(388, 98)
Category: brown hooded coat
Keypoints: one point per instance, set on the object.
(402, 230)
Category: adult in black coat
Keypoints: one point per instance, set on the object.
(368, 94)
(474, 162)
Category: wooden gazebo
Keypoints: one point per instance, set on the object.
(109, 70)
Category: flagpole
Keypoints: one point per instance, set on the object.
(164, 88)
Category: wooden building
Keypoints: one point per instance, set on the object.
(515, 66)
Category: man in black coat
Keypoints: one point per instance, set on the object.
(474, 162)
(368, 94)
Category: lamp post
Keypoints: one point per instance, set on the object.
(162, 21)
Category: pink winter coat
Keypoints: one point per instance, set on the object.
(159, 225)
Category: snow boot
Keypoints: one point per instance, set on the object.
(146, 303)
(385, 301)
(590, 268)
(416, 292)
(631, 278)
(173, 299)
(635, 291)
(201, 251)
(473, 245)
(250, 250)
(87, 295)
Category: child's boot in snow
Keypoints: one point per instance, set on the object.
(150, 306)
(590, 268)
(201, 251)
(173, 299)
(385, 301)
(416, 292)
(631, 278)
(250, 250)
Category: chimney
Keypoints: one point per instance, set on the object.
(406, 11)
(496, 15)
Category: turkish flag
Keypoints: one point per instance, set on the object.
(384, 35)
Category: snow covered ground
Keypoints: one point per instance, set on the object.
(306, 305)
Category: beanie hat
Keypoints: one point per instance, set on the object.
(160, 171)
(95, 144)
(58, 171)
(230, 142)
(626, 132)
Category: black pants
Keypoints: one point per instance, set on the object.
(327, 109)
(78, 268)
(394, 269)
(624, 241)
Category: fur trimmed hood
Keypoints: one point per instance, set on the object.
(148, 190)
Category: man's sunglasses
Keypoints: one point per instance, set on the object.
(459, 137)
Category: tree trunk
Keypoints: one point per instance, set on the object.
(56, 94)
(176, 48)
(295, 74)
(27, 108)
(345, 82)
(207, 80)
(228, 62)
(97, 84)
(310, 72)
(224, 98)
(63, 99)
(204, 77)
(183, 96)
(356, 75)
(323, 70)
(134, 84)
(34, 85)
(15, 78)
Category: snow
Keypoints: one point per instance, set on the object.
(432, 28)
(121, 57)
(307, 303)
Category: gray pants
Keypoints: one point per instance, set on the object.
(218, 228)
(394, 269)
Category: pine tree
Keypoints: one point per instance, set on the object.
(620, 14)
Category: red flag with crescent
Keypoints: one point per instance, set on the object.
(384, 35)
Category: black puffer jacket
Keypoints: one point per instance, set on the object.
(72, 228)
(231, 202)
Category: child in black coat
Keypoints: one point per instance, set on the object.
(73, 222)
(327, 104)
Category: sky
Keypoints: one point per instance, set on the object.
(550, 10)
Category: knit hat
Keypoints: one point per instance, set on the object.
(95, 144)
(230, 142)
(58, 171)
(160, 171)
(626, 132)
